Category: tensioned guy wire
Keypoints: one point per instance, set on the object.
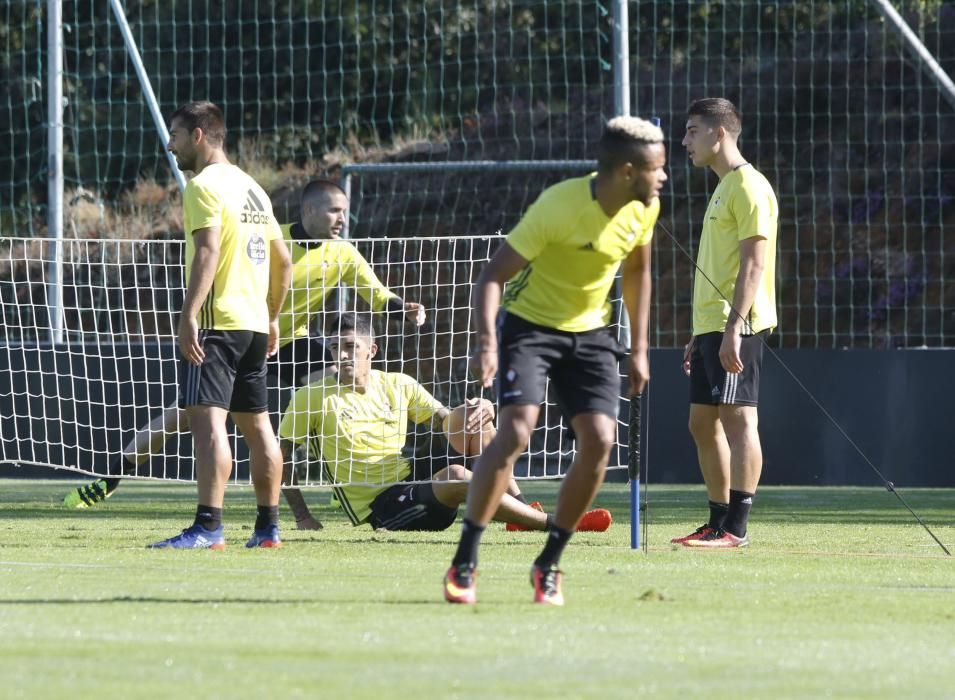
(889, 486)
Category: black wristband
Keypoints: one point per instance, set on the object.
(395, 304)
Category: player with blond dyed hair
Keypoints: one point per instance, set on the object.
(559, 264)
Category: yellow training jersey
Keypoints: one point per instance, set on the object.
(224, 196)
(359, 435)
(743, 205)
(317, 271)
(574, 250)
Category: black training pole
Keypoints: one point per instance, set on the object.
(633, 468)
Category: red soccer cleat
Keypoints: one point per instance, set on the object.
(718, 539)
(597, 520)
(459, 586)
(546, 583)
(702, 531)
(514, 527)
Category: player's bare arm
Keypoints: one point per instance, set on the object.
(280, 278)
(204, 266)
(304, 520)
(752, 254)
(637, 285)
(506, 263)
(687, 354)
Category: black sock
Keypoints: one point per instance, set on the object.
(717, 514)
(520, 497)
(266, 516)
(738, 514)
(208, 517)
(468, 544)
(557, 539)
(123, 466)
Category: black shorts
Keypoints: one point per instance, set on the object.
(711, 385)
(295, 361)
(584, 367)
(232, 375)
(410, 507)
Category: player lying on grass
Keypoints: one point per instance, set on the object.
(320, 262)
(357, 421)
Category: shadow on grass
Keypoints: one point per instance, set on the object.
(201, 601)
(161, 503)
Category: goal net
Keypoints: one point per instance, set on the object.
(838, 112)
(76, 404)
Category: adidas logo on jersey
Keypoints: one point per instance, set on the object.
(253, 212)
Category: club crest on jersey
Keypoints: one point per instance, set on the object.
(256, 249)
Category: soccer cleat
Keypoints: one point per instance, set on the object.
(195, 537)
(702, 531)
(718, 539)
(87, 496)
(514, 527)
(267, 537)
(597, 520)
(546, 583)
(459, 585)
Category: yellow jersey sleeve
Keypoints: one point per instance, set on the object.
(754, 213)
(529, 238)
(275, 232)
(421, 404)
(357, 273)
(202, 207)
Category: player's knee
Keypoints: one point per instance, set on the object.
(458, 473)
(597, 444)
(702, 428)
(450, 493)
(738, 421)
(513, 437)
(210, 442)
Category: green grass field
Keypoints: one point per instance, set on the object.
(840, 595)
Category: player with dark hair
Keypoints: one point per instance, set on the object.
(238, 271)
(559, 264)
(734, 308)
(321, 261)
(356, 421)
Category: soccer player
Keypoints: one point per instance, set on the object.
(357, 422)
(321, 260)
(559, 264)
(734, 308)
(238, 271)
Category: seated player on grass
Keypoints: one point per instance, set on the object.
(321, 261)
(357, 421)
